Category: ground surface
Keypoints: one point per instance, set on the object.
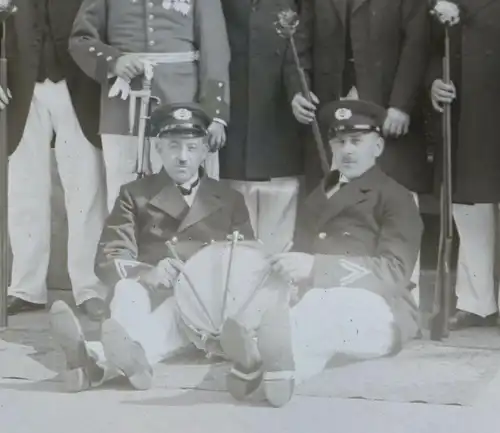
(31, 398)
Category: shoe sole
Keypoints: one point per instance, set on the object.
(245, 376)
(126, 355)
(68, 333)
(275, 347)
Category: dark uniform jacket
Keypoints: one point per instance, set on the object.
(106, 29)
(23, 45)
(263, 136)
(367, 235)
(389, 40)
(475, 68)
(151, 211)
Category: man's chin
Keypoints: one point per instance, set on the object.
(181, 176)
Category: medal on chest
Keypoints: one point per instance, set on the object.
(181, 6)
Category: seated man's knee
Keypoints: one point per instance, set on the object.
(127, 291)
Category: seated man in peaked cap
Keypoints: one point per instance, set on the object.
(179, 205)
(357, 242)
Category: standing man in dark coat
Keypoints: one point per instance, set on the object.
(264, 153)
(474, 94)
(374, 50)
(49, 95)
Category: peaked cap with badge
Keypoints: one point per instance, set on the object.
(186, 119)
(352, 115)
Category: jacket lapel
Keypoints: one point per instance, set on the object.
(341, 7)
(349, 195)
(205, 203)
(169, 199)
(356, 4)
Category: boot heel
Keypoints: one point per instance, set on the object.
(75, 380)
(279, 387)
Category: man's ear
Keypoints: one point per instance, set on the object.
(380, 146)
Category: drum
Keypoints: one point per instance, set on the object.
(222, 280)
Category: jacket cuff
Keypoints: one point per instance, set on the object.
(106, 58)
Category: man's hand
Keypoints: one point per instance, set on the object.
(128, 67)
(303, 110)
(396, 123)
(5, 97)
(163, 274)
(217, 137)
(294, 267)
(442, 93)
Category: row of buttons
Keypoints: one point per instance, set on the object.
(99, 54)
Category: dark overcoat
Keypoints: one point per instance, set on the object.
(263, 136)
(23, 44)
(367, 235)
(475, 71)
(151, 211)
(390, 48)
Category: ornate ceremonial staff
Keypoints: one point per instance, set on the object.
(6, 10)
(447, 14)
(286, 26)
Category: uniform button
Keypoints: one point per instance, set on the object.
(150, 4)
(151, 43)
(109, 58)
(217, 111)
(219, 98)
(151, 30)
(92, 49)
(322, 235)
(151, 17)
(220, 84)
(99, 54)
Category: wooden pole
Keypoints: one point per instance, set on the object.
(325, 166)
(4, 157)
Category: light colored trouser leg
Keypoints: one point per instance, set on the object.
(415, 276)
(120, 159)
(211, 165)
(343, 320)
(272, 206)
(29, 203)
(82, 176)
(475, 275)
(157, 331)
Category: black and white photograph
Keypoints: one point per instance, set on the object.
(249, 216)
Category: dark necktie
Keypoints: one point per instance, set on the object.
(188, 191)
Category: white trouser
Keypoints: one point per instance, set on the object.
(81, 172)
(341, 320)
(157, 331)
(120, 159)
(415, 276)
(475, 287)
(272, 206)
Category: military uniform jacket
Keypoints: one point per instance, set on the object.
(367, 235)
(106, 29)
(151, 211)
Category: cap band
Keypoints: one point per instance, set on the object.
(185, 128)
